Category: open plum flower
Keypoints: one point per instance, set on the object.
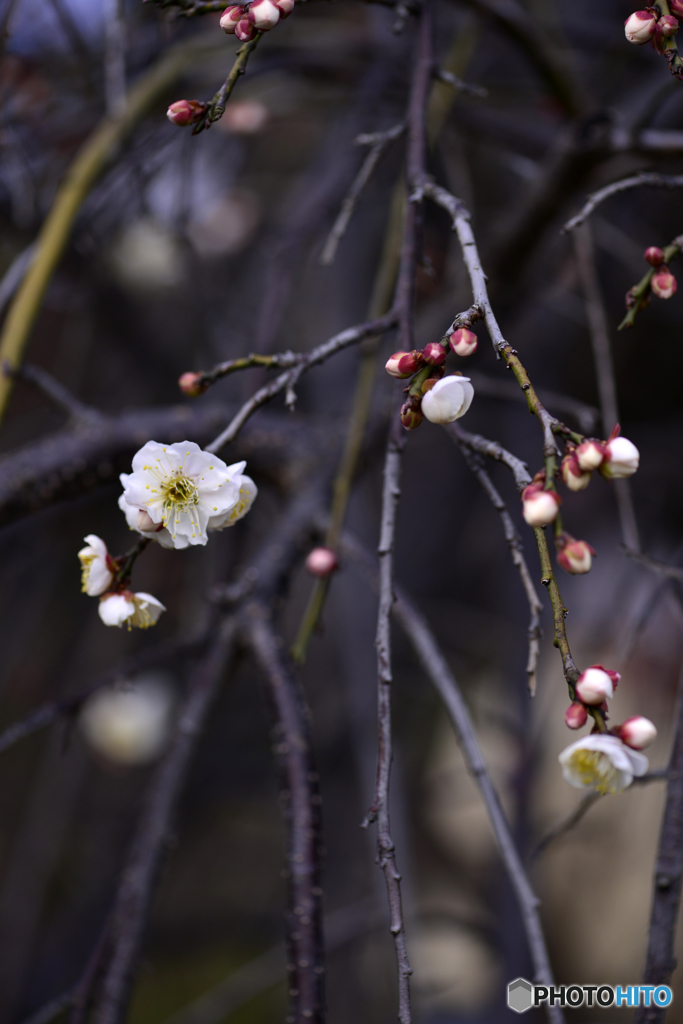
(602, 763)
(96, 572)
(128, 609)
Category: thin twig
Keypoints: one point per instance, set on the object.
(672, 572)
(287, 381)
(115, 56)
(492, 450)
(216, 106)
(457, 83)
(57, 393)
(638, 296)
(594, 200)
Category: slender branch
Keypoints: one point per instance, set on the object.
(216, 106)
(492, 450)
(57, 393)
(457, 83)
(115, 56)
(379, 810)
(671, 572)
(287, 381)
(638, 296)
(138, 882)
(649, 178)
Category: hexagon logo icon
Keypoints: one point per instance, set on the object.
(520, 995)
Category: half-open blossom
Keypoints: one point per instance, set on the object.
(229, 18)
(539, 507)
(264, 14)
(640, 27)
(463, 342)
(129, 726)
(182, 488)
(573, 476)
(404, 364)
(621, 459)
(128, 609)
(321, 562)
(184, 112)
(602, 763)
(576, 716)
(448, 400)
(663, 283)
(575, 556)
(96, 566)
(590, 454)
(637, 732)
(596, 685)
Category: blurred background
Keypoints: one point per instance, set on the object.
(192, 250)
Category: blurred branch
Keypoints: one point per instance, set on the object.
(57, 393)
(379, 811)
(115, 56)
(672, 572)
(648, 178)
(638, 296)
(492, 450)
(477, 91)
(216, 106)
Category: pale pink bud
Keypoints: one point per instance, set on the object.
(572, 474)
(145, 523)
(594, 686)
(621, 459)
(539, 507)
(640, 27)
(637, 732)
(264, 14)
(576, 716)
(411, 413)
(229, 18)
(321, 562)
(434, 354)
(403, 364)
(192, 384)
(668, 25)
(663, 283)
(590, 454)
(654, 256)
(245, 31)
(463, 342)
(285, 7)
(184, 112)
(676, 7)
(575, 556)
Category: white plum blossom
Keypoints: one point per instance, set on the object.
(129, 726)
(448, 400)
(247, 493)
(128, 609)
(602, 763)
(183, 489)
(637, 732)
(621, 459)
(96, 576)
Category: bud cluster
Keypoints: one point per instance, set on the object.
(647, 26)
(244, 21)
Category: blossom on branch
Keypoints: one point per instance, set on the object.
(572, 474)
(264, 14)
(621, 458)
(637, 732)
(575, 556)
(663, 283)
(128, 609)
(596, 685)
(404, 364)
(96, 566)
(184, 112)
(602, 763)
(463, 342)
(640, 27)
(590, 454)
(448, 400)
(539, 507)
(576, 716)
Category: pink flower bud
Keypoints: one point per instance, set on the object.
(321, 562)
(192, 384)
(411, 413)
(621, 459)
(663, 283)
(575, 556)
(590, 454)
(245, 31)
(654, 255)
(594, 686)
(637, 732)
(264, 14)
(229, 18)
(539, 507)
(640, 27)
(576, 716)
(404, 364)
(184, 112)
(285, 7)
(434, 354)
(668, 25)
(572, 474)
(676, 8)
(463, 342)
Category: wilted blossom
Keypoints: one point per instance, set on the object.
(129, 726)
(128, 609)
(448, 400)
(596, 685)
(640, 27)
(637, 732)
(96, 566)
(602, 763)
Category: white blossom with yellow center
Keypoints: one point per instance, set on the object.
(127, 609)
(602, 763)
(96, 576)
(182, 489)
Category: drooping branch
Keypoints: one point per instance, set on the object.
(638, 295)
(649, 178)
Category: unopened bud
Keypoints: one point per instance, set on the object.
(573, 476)
(285, 7)
(576, 716)
(621, 459)
(184, 112)
(434, 354)
(264, 14)
(245, 31)
(145, 523)
(663, 283)
(411, 413)
(192, 384)
(668, 25)
(637, 732)
(229, 18)
(404, 364)
(539, 507)
(594, 686)
(463, 342)
(654, 255)
(590, 454)
(321, 562)
(640, 27)
(676, 7)
(575, 556)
